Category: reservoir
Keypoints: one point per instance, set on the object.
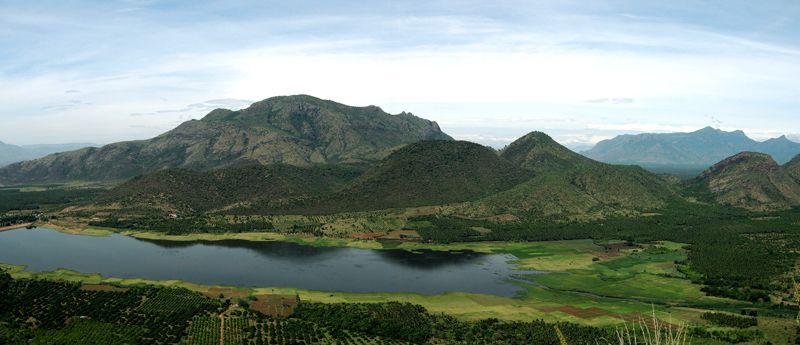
(263, 264)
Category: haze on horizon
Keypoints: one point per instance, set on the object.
(85, 71)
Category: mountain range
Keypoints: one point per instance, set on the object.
(698, 149)
(296, 130)
(304, 155)
(13, 153)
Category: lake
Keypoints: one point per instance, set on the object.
(263, 264)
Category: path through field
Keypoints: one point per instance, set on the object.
(222, 324)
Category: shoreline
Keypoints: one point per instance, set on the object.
(487, 247)
(462, 305)
(15, 227)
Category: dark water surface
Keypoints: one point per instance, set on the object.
(263, 264)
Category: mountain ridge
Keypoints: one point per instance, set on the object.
(298, 130)
(701, 148)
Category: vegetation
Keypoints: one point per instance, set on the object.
(44, 198)
(41, 311)
(730, 320)
(188, 192)
(753, 181)
(733, 252)
(178, 226)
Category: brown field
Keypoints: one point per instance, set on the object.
(421, 211)
(401, 235)
(368, 235)
(275, 305)
(408, 235)
(214, 292)
(102, 287)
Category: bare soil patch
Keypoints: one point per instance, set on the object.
(226, 293)
(401, 235)
(102, 287)
(368, 235)
(275, 305)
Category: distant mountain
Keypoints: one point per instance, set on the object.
(13, 153)
(296, 130)
(701, 148)
(566, 183)
(753, 181)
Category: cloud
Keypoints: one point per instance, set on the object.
(612, 100)
(70, 104)
(202, 107)
(478, 68)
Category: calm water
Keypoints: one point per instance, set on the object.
(265, 264)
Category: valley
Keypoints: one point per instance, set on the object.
(360, 212)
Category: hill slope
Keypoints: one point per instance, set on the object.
(425, 173)
(185, 191)
(753, 181)
(297, 130)
(700, 148)
(566, 183)
(793, 168)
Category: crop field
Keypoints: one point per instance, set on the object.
(204, 330)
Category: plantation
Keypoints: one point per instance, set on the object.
(45, 312)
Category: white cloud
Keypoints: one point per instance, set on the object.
(582, 76)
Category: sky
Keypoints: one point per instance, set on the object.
(486, 71)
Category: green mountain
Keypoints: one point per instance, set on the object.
(186, 191)
(753, 181)
(538, 152)
(296, 130)
(701, 148)
(566, 183)
(424, 173)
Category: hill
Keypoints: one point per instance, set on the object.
(425, 173)
(12, 153)
(538, 152)
(566, 183)
(296, 130)
(793, 168)
(698, 149)
(185, 191)
(753, 181)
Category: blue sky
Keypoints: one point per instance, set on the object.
(487, 71)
